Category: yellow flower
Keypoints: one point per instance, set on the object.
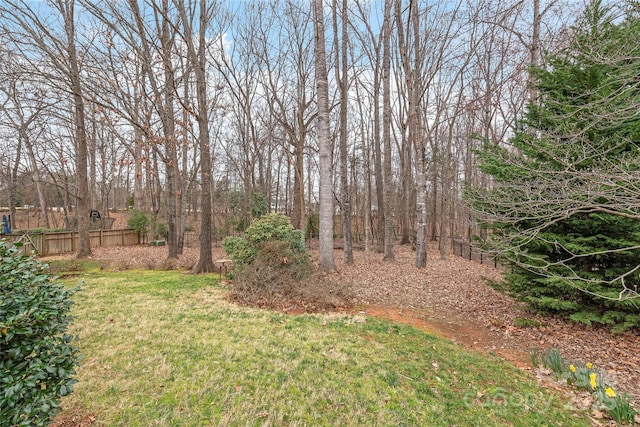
(589, 365)
(592, 378)
(609, 391)
(572, 368)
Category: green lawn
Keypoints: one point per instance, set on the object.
(167, 349)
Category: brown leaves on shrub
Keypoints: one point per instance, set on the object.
(280, 280)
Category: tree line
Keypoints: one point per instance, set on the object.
(359, 108)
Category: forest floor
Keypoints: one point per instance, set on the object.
(451, 298)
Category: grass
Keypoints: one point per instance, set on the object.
(167, 349)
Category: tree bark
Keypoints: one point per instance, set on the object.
(13, 188)
(341, 73)
(198, 61)
(377, 166)
(36, 179)
(326, 257)
(82, 195)
(298, 183)
(170, 142)
(421, 214)
(535, 49)
(413, 76)
(389, 234)
(366, 154)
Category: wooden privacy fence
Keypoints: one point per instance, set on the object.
(56, 243)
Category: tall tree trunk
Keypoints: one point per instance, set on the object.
(445, 224)
(413, 76)
(535, 48)
(36, 175)
(326, 258)
(377, 163)
(287, 188)
(421, 246)
(389, 234)
(198, 61)
(138, 190)
(168, 123)
(92, 147)
(435, 182)
(407, 192)
(13, 188)
(152, 187)
(83, 249)
(366, 154)
(298, 184)
(185, 176)
(421, 208)
(341, 73)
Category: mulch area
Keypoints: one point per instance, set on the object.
(451, 297)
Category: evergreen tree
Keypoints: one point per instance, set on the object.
(564, 208)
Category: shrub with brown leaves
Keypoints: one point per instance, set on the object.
(279, 280)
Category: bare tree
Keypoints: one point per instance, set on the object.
(414, 83)
(154, 46)
(57, 51)
(289, 92)
(342, 68)
(389, 234)
(247, 112)
(326, 258)
(10, 163)
(366, 166)
(371, 44)
(24, 107)
(197, 57)
(430, 80)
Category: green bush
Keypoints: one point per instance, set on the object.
(37, 357)
(269, 228)
(139, 222)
